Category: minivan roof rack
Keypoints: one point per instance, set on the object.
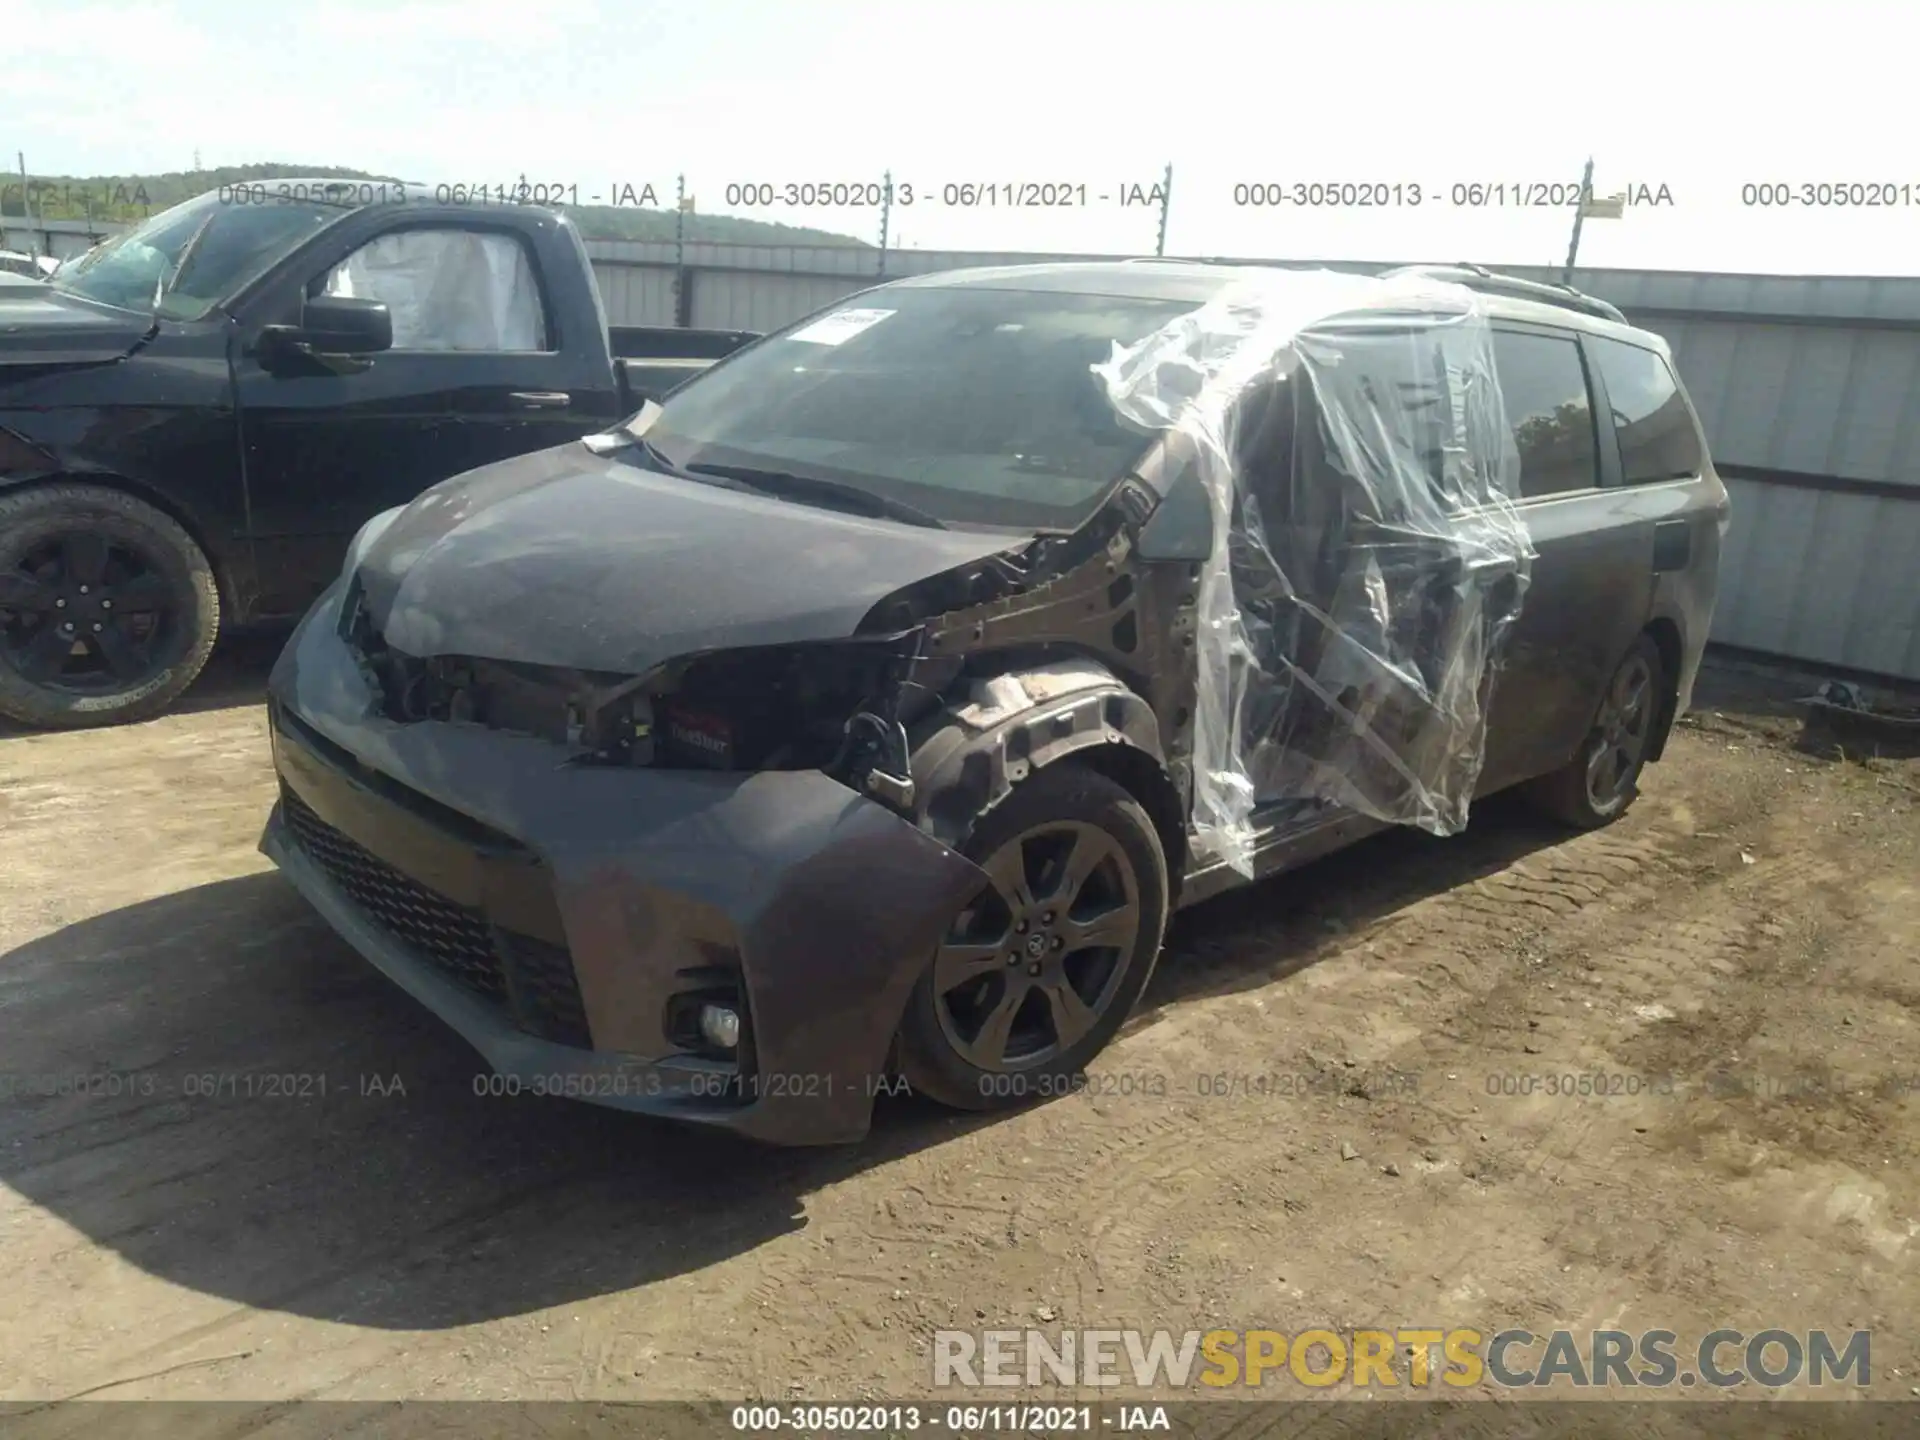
(1487, 282)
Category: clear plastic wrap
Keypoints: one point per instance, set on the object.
(449, 289)
(1368, 558)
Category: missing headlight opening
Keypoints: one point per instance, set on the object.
(771, 708)
(780, 708)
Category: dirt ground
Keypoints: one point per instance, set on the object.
(1751, 929)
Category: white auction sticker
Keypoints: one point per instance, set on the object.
(840, 326)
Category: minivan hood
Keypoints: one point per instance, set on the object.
(42, 326)
(571, 559)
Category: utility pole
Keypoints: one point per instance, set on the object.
(1166, 202)
(1579, 214)
(26, 208)
(886, 214)
(682, 300)
(680, 222)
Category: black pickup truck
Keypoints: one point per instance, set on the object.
(198, 414)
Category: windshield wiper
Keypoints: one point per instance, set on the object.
(655, 454)
(172, 273)
(788, 485)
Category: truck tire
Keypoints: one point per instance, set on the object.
(108, 609)
(1023, 993)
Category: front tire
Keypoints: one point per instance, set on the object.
(1600, 782)
(108, 610)
(1040, 970)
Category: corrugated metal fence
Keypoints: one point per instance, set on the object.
(1809, 388)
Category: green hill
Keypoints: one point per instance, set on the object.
(121, 198)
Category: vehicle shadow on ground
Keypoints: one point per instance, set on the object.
(261, 1116)
(265, 1118)
(236, 674)
(1254, 936)
(1265, 932)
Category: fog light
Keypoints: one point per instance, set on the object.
(720, 1026)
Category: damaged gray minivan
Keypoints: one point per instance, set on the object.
(862, 712)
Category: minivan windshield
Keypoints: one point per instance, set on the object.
(972, 404)
(183, 262)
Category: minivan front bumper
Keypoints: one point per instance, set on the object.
(562, 918)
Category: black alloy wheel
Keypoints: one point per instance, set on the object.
(87, 614)
(107, 608)
(1039, 970)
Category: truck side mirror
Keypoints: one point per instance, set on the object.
(338, 326)
(346, 325)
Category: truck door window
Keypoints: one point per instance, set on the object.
(1657, 437)
(449, 289)
(1543, 385)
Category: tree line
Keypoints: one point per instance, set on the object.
(123, 199)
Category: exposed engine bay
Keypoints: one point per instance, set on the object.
(844, 707)
(772, 708)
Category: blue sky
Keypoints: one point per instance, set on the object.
(1701, 98)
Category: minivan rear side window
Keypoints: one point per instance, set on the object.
(1543, 385)
(1657, 437)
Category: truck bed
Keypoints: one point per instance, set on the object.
(670, 342)
(653, 360)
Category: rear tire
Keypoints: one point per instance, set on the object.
(1600, 782)
(108, 609)
(1023, 993)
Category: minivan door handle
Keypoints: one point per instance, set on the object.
(540, 399)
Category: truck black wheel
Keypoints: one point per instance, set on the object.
(1040, 969)
(1600, 782)
(108, 610)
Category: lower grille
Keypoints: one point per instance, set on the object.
(456, 939)
(545, 994)
(531, 981)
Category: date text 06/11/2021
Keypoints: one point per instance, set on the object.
(982, 194)
(1385, 194)
(196, 1085)
(885, 1418)
(619, 194)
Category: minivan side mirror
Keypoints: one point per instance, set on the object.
(338, 325)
